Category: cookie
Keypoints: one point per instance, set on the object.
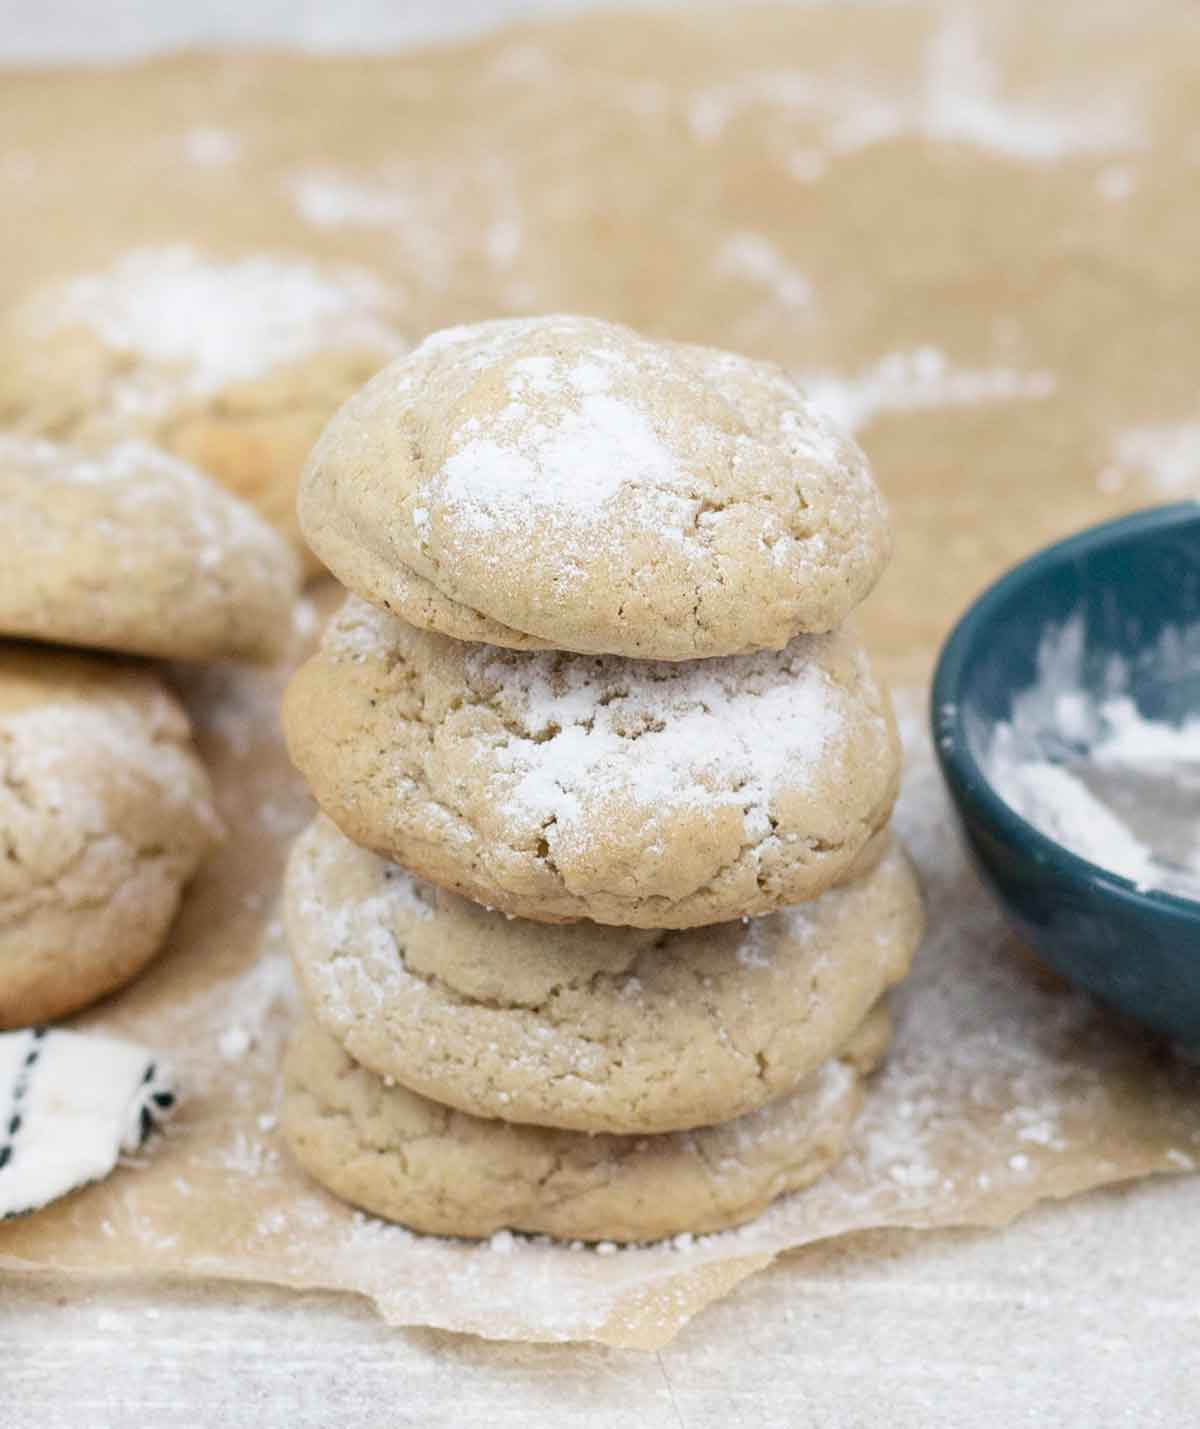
(438, 1170)
(234, 366)
(133, 551)
(562, 482)
(105, 814)
(583, 1027)
(556, 786)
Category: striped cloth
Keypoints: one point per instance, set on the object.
(70, 1104)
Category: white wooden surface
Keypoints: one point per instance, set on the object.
(1085, 1316)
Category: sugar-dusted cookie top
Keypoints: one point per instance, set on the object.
(566, 482)
(105, 813)
(133, 551)
(558, 786)
(233, 364)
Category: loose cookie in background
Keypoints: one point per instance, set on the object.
(105, 814)
(441, 1171)
(583, 1027)
(234, 365)
(557, 787)
(564, 482)
(133, 551)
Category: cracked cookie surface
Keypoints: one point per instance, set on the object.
(437, 1170)
(566, 483)
(105, 813)
(232, 365)
(584, 1027)
(133, 551)
(556, 786)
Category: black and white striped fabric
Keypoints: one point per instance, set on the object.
(70, 1104)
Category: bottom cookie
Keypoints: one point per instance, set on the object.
(443, 1172)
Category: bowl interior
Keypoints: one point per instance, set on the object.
(1131, 588)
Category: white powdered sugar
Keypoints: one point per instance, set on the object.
(563, 449)
(594, 450)
(328, 199)
(919, 380)
(576, 465)
(1169, 455)
(1090, 771)
(49, 746)
(146, 488)
(753, 257)
(419, 205)
(364, 925)
(1059, 804)
(211, 148)
(703, 734)
(959, 98)
(963, 103)
(216, 323)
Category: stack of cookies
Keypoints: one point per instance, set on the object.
(596, 921)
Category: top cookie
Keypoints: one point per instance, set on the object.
(565, 482)
(233, 365)
(135, 552)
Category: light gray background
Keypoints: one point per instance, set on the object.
(93, 30)
(1084, 1316)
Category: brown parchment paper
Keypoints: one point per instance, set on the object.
(972, 231)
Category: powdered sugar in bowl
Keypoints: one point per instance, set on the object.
(1066, 716)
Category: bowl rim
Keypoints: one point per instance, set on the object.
(966, 778)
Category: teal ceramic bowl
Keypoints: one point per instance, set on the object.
(1130, 579)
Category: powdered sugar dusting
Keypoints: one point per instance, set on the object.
(45, 747)
(565, 443)
(693, 737)
(577, 464)
(755, 258)
(919, 380)
(1090, 771)
(1169, 455)
(417, 205)
(596, 444)
(329, 199)
(958, 99)
(214, 323)
(963, 103)
(211, 148)
(148, 490)
(1061, 806)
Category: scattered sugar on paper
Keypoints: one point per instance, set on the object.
(919, 380)
(959, 99)
(755, 258)
(1169, 455)
(210, 148)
